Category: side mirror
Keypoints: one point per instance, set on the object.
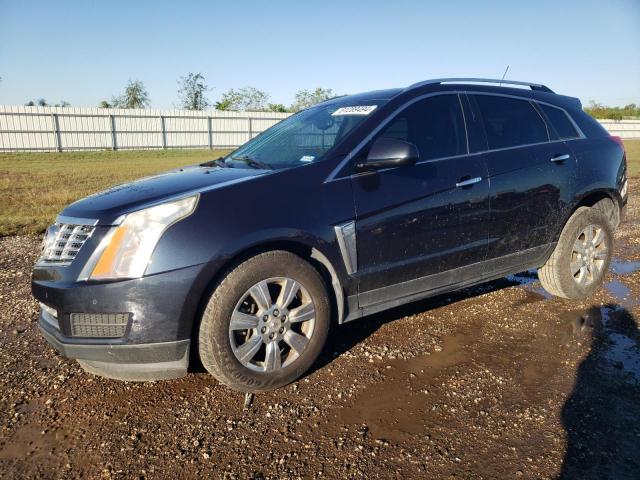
(388, 153)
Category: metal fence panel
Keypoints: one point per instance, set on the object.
(73, 128)
(622, 128)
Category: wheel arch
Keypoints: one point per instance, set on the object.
(589, 199)
(316, 258)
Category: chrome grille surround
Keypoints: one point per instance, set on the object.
(64, 239)
(99, 325)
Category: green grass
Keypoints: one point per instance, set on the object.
(632, 148)
(35, 187)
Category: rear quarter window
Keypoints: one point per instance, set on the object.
(509, 122)
(560, 122)
(589, 125)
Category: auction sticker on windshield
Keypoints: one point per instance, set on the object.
(355, 110)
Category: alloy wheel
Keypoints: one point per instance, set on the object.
(272, 324)
(589, 255)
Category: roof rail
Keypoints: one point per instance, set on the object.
(533, 86)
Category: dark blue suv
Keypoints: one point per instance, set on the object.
(356, 205)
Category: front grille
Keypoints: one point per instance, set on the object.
(63, 241)
(103, 325)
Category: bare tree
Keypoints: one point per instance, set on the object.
(247, 99)
(135, 96)
(192, 92)
(307, 98)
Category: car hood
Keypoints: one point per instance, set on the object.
(108, 205)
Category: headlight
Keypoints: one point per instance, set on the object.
(127, 249)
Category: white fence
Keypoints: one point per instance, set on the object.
(70, 128)
(622, 128)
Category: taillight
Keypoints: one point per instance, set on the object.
(618, 140)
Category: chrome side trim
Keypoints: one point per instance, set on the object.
(471, 181)
(76, 221)
(346, 236)
(334, 173)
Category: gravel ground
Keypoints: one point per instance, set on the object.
(499, 381)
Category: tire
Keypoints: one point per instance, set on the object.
(241, 295)
(610, 210)
(557, 274)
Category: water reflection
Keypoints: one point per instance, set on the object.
(601, 414)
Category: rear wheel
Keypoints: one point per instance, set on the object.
(266, 323)
(610, 210)
(581, 258)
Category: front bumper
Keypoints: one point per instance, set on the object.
(155, 343)
(152, 361)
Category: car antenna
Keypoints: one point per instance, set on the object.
(504, 74)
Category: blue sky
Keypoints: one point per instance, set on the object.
(85, 51)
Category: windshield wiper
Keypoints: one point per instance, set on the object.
(253, 162)
(218, 162)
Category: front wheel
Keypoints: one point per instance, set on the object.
(581, 257)
(266, 323)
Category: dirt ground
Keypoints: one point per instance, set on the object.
(497, 381)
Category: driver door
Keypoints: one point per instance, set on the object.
(415, 222)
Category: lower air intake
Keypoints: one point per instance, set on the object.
(99, 325)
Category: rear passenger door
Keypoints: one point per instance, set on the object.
(531, 174)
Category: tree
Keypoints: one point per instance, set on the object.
(277, 107)
(63, 103)
(247, 99)
(307, 98)
(192, 92)
(41, 102)
(134, 96)
(104, 104)
(597, 110)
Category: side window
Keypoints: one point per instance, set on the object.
(509, 122)
(560, 122)
(435, 125)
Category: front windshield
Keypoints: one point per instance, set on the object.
(302, 138)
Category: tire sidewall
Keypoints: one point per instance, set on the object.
(217, 317)
(581, 219)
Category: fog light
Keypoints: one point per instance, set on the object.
(50, 315)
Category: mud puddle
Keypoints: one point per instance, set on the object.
(622, 267)
(529, 280)
(615, 339)
(398, 408)
(408, 403)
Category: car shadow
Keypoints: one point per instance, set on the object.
(601, 416)
(343, 338)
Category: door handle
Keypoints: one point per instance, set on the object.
(466, 183)
(560, 158)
